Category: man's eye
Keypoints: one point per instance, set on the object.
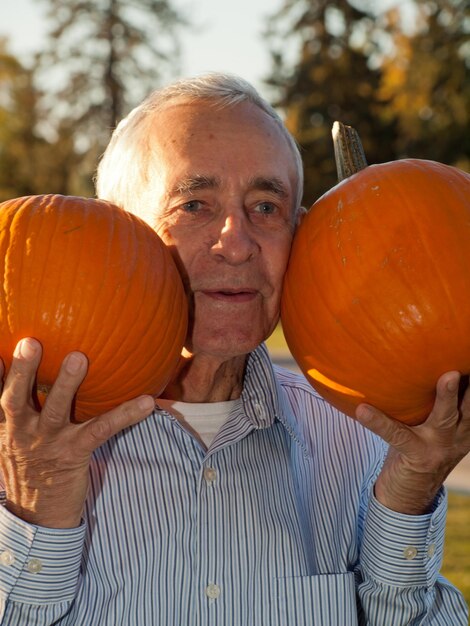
(266, 208)
(192, 206)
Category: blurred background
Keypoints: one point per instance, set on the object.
(398, 71)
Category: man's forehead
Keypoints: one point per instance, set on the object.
(184, 136)
(210, 111)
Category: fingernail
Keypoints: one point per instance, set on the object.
(74, 364)
(364, 413)
(146, 403)
(25, 349)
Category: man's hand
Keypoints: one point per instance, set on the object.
(421, 457)
(44, 457)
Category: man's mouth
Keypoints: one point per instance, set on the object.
(231, 295)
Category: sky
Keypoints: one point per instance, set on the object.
(228, 35)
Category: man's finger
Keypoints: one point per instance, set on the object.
(19, 383)
(58, 405)
(98, 430)
(398, 435)
(463, 428)
(445, 412)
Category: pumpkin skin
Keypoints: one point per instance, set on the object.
(376, 298)
(83, 274)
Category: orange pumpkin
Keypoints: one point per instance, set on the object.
(376, 299)
(82, 274)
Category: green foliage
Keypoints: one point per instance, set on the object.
(15, 129)
(406, 93)
(102, 57)
(426, 82)
(29, 164)
(56, 116)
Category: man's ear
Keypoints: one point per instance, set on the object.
(301, 211)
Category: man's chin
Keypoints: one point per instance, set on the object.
(225, 346)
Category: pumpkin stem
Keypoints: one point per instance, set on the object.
(349, 153)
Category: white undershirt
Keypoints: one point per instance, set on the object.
(202, 419)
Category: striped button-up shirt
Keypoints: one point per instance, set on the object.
(274, 525)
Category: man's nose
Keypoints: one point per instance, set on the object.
(235, 242)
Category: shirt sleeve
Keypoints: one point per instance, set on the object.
(39, 570)
(399, 581)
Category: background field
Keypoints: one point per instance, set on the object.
(456, 566)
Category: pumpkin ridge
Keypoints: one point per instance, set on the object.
(397, 338)
(168, 361)
(144, 339)
(399, 269)
(104, 314)
(121, 226)
(119, 366)
(364, 349)
(405, 260)
(158, 335)
(67, 283)
(74, 288)
(348, 286)
(143, 318)
(391, 336)
(97, 319)
(19, 228)
(7, 217)
(37, 263)
(441, 193)
(11, 277)
(48, 256)
(394, 337)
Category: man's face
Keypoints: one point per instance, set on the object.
(224, 199)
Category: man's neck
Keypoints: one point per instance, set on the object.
(205, 378)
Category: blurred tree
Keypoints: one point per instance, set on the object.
(29, 164)
(102, 57)
(406, 92)
(334, 78)
(426, 82)
(17, 118)
(56, 116)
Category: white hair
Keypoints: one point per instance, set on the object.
(124, 173)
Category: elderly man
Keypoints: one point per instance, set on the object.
(243, 498)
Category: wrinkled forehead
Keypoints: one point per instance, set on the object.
(190, 127)
(205, 115)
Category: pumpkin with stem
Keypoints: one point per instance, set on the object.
(83, 274)
(376, 299)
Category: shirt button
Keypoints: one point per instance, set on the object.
(210, 474)
(7, 558)
(34, 566)
(212, 591)
(410, 553)
(259, 410)
(431, 550)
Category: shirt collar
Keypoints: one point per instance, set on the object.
(260, 393)
(265, 400)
